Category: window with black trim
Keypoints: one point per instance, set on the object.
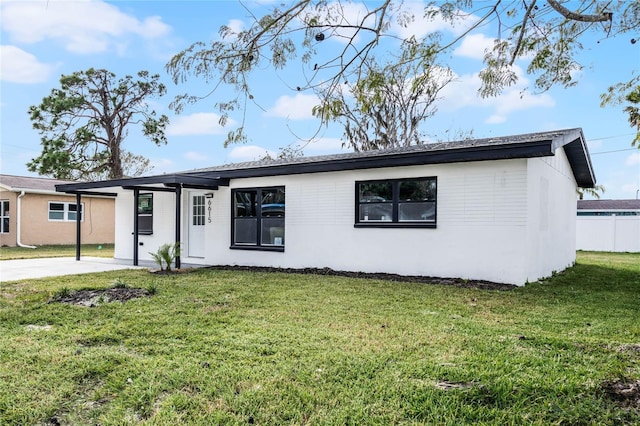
(64, 212)
(145, 214)
(396, 202)
(4, 216)
(258, 218)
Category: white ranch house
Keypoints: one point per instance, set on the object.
(499, 209)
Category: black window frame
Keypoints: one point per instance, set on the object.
(145, 226)
(395, 203)
(259, 216)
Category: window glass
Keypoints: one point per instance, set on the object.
(4, 216)
(56, 211)
(382, 212)
(245, 230)
(259, 217)
(72, 212)
(417, 190)
(420, 212)
(198, 210)
(376, 192)
(408, 201)
(245, 203)
(145, 204)
(272, 203)
(145, 214)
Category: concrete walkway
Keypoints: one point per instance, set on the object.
(12, 270)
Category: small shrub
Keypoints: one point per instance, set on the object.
(119, 283)
(152, 288)
(165, 255)
(63, 292)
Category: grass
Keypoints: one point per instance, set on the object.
(95, 250)
(226, 347)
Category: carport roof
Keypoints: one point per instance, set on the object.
(528, 145)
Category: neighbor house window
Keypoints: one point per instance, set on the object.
(397, 202)
(145, 214)
(64, 212)
(258, 218)
(4, 216)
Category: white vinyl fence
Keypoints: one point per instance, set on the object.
(619, 233)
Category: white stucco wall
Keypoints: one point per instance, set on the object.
(163, 225)
(608, 233)
(480, 227)
(551, 231)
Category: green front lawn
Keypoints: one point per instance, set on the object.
(95, 250)
(228, 347)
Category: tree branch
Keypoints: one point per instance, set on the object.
(602, 17)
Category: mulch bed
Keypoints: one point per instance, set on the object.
(96, 297)
(624, 393)
(456, 282)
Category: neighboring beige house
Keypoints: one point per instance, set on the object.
(32, 213)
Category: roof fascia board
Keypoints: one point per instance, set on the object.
(190, 186)
(525, 150)
(149, 188)
(92, 194)
(175, 179)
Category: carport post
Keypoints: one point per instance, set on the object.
(136, 195)
(78, 222)
(178, 205)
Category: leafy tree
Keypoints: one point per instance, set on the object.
(634, 112)
(84, 123)
(546, 35)
(386, 107)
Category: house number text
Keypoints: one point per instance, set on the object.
(209, 211)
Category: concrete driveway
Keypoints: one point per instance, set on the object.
(12, 270)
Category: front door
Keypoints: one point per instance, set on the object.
(196, 225)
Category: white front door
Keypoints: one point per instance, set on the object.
(196, 225)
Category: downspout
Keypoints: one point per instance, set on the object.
(18, 208)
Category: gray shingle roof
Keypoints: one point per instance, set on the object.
(31, 183)
(608, 204)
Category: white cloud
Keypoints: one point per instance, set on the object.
(18, 66)
(235, 25)
(195, 156)
(250, 153)
(201, 123)
(633, 159)
(83, 26)
(298, 107)
(475, 46)
(324, 145)
(161, 165)
(463, 92)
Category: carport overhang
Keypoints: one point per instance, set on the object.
(162, 183)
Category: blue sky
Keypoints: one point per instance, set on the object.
(42, 40)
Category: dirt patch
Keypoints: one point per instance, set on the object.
(633, 348)
(623, 393)
(456, 282)
(97, 297)
(446, 385)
